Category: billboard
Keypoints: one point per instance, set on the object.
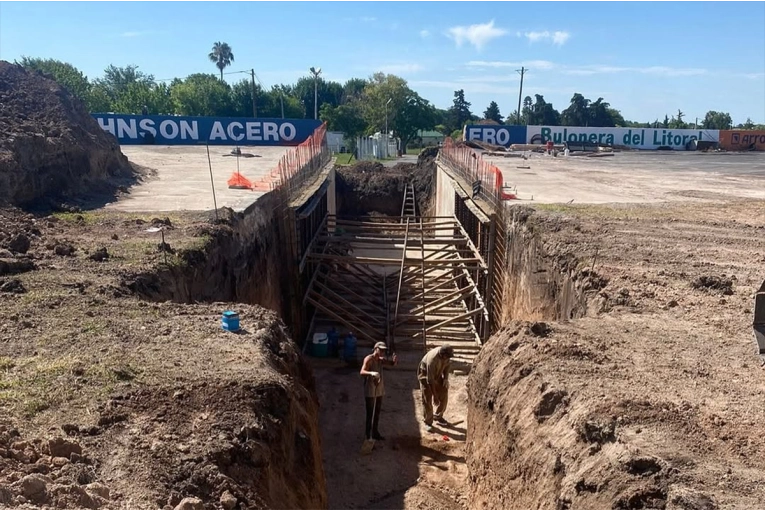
(495, 135)
(636, 138)
(741, 140)
(176, 130)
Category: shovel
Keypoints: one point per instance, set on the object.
(369, 444)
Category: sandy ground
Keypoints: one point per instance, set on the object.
(411, 468)
(632, 177)
(182, 180)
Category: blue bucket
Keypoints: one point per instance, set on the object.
(230, 321)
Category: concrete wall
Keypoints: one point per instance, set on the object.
(444, 199)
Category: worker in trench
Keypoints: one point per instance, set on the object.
(433, 375)
(374, 387)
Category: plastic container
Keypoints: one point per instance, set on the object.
(319, 345)
(230, 321)
(333, 341)
(349, 348)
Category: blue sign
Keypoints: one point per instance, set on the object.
(496, 135)
(172, 130)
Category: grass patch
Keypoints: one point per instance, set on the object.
(32, 385)
(344, 158)
(6, 363)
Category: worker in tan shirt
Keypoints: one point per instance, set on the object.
(433, 375)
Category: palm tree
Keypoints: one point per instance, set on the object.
(222, 56)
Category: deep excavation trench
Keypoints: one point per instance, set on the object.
(246, 260)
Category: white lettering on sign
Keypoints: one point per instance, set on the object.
(637, 138)
(217, 132)
(253, 131)
(107, 125)
(168, 129)
(230, 130)
(147, 126)
(270, 131)
(189, 130)
(287, 132)
(134, 128)
(126, 129)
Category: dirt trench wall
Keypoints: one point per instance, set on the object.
(534, 443)
(543, 281)
(244, 260)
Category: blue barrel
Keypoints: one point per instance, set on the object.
(333, 340)
(349, 348)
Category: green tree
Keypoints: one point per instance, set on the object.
(459, 113)
(116, 79)
(717, 120)
(665, 124)
(346, 118)
(416, 114)
(353, 89)
(222, 56)
(383, 89)
(492, 113)
(135, 96)
(327, 91)
(63, 73)
(201, 94)
(543, 114)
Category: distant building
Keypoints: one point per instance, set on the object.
(429, 138)
(336, 141)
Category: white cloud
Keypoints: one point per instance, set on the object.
(131, 34)
(483, 78)
(424, 34)
(481, 88)
(558, 37)
(478, 35)
(401, 68)
(368, 19)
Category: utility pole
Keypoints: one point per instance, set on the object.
(522, 71)
(254, 107)
(315, 73)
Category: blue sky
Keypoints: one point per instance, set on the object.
(646, 59)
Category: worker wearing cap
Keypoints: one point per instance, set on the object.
(433, 375)
(374, 389)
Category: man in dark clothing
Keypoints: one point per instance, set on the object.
(374, 388)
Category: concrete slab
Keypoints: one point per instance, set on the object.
(182, 181)
(635, 177)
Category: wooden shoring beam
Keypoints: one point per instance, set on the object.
(438, 286)
(345, 288)
(350, 306)
(367, 239)
(443, 301)
(358, 328)
(369, 226)
(422, 289)
(454, 319)
(481, 304)
(400, 278)
(309, 248)
(473, 263)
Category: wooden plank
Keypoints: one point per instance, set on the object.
(340, 318)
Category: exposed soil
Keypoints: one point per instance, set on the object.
(369, 187)
(155, 402)
(652, 399)
(50, 146)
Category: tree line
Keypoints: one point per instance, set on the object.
(360, 106)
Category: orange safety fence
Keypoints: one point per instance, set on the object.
(473, 167)
(298, 163)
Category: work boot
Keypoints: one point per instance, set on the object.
(442, 420)
(378, 437)
(429, 427)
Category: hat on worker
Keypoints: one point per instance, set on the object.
(381, 345)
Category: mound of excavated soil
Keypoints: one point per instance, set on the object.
(50, 146)
(371, 187)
